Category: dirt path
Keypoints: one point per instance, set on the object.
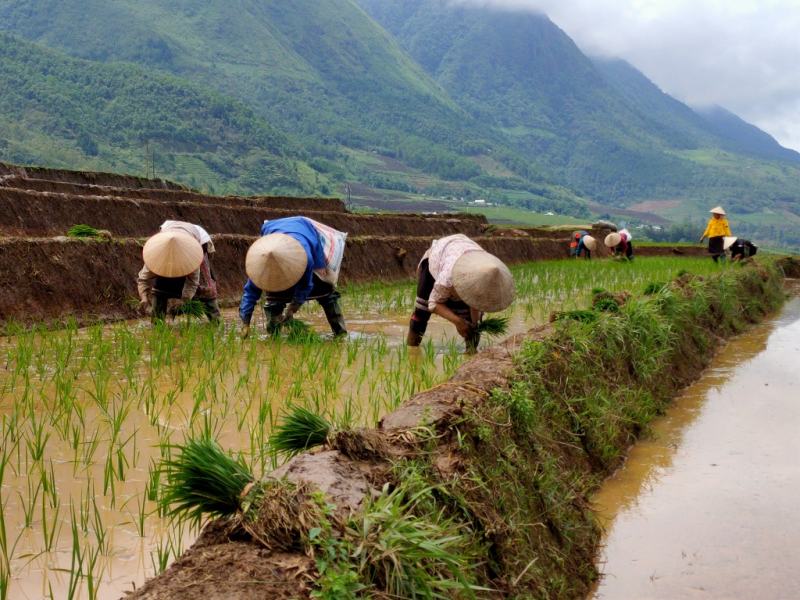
(707, 507)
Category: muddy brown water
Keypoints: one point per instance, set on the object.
(706, 507)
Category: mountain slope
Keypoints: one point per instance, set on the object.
(709, 126)
(606, 132)
(73, 113)
(322, 70)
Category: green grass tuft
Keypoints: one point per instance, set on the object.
(654, 287)
(83, 231)
(203, 481)
(300, 430)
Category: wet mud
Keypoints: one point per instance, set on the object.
(706, 506)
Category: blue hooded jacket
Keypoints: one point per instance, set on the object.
(302, 230)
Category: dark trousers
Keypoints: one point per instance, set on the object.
(421, 314)
(323, 292)
(716, 247)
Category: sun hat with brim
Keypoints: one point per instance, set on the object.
(276, 262)
(612, 240)
(483, 281)
(172, 254)
(590, 242)
(718, 210)
(728, 241)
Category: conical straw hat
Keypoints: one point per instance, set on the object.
(612, 239)
(483, 281)
(728, 241)
(718, 210)
(172, 253)
(276, 262)
(590, 242)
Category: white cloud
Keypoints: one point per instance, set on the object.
(741, 54)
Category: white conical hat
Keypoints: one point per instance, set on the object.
(276, 262)
(590, 242)
(718, 210)
(612, 239)
(728, 241)
(172, 253)
(483, 281)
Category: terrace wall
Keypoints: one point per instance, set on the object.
(29, 213)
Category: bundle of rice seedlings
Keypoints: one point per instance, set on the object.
(300, 332)
(607, 305)
(300, 430)
(82, 231)
(203, 480)
(493, 326)
(189, 308)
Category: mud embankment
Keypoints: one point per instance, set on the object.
(25, 213)
(507, 452)
(171, 195)
(87, 177)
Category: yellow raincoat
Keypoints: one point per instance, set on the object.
(717, 227)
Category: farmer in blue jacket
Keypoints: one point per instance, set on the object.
(288, 263)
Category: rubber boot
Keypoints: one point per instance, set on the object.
(413, 338)
(273, 312)
(333, 313)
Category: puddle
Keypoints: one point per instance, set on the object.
(706, 507)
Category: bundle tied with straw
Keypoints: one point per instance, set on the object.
(204, 481)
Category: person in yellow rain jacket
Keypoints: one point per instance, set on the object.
(716, 231)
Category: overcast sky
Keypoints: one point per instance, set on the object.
(741, 54)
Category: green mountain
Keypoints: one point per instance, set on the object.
(74, 113)
(409, 98)
(600, 127)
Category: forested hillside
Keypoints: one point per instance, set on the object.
(414, 99)
(73, 113)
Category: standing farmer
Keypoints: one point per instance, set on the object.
(581, 243)
(620, 244)
(177, 266)
(716, 230)
(459, 281)
(295, 260)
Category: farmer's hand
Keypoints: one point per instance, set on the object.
(464, 328)
(144, 308)
(244, 331)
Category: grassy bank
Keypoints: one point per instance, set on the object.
(480, 487)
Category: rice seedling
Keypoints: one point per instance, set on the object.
(83, 231)
(492, 326)
(203, 480)
(300, 430)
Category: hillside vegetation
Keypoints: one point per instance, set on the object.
(78, 114)
(422, 97)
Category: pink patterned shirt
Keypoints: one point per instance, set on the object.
(442, 257)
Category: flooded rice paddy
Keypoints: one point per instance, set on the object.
(706, 507)
(87, 415)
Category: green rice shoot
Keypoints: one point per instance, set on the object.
(493, 326)
(82, 231)
(300, 430)
(203, 481)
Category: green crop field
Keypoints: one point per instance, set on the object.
(88, 415)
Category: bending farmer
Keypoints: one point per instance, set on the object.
(620, 244)
(459, 281)
(581, 243)
(739, 248)
(296, 260)
(716, 230)
(177, 265)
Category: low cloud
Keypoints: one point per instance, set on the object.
(740, 54)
